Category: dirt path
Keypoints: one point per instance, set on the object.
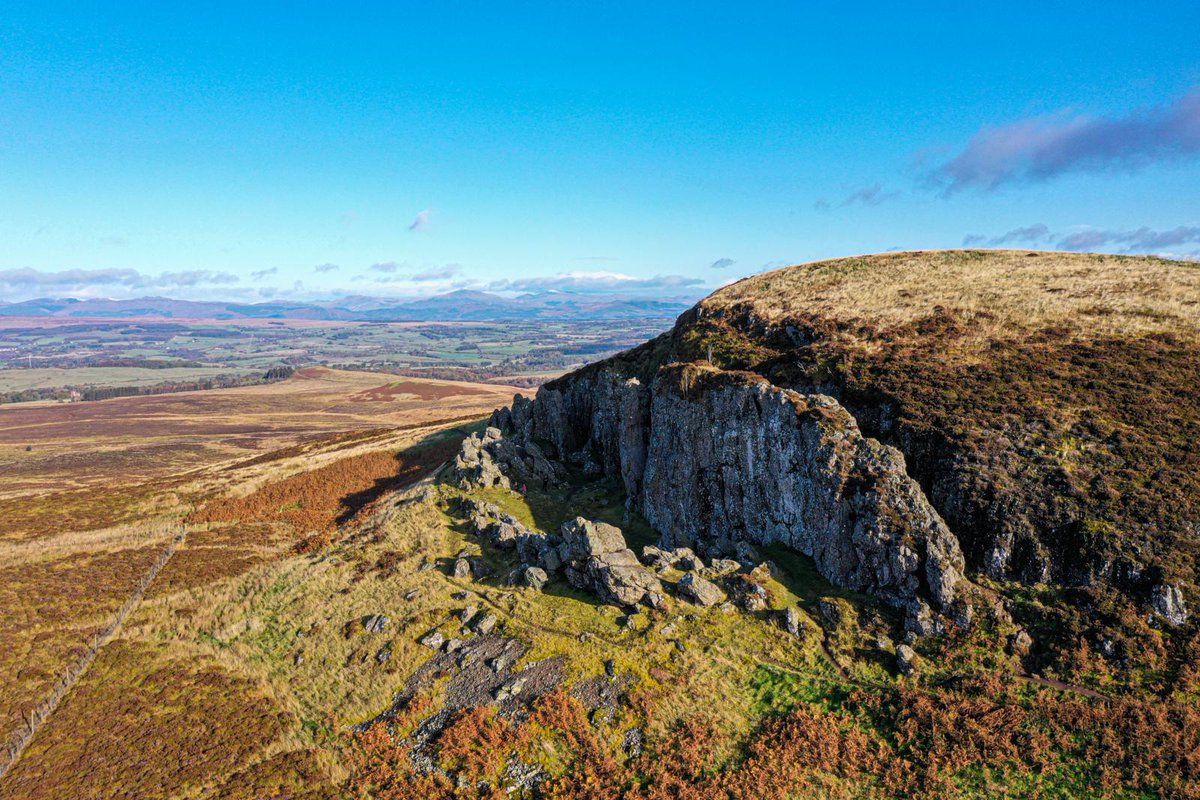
(44, 710)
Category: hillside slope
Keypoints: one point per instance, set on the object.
(1045, 403)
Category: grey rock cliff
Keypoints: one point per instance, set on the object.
(725, 457)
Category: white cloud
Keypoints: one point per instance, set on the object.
(421, 221)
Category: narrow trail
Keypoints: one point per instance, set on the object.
(42, 712)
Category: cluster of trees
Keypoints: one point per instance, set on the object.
(278, 373)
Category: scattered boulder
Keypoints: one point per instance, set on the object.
(375, 623)
(384, 653)
(655, 557)
(700, 591)
(687, 560)
(906, 660)
(792, 621)
(433, 640)
(1019, 644)
(462, 568)
(485, 625)
(582, 538)
(723, 566)
(749, 594)
(534, 577)
(597, 561)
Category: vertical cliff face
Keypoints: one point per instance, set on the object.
(714, 458)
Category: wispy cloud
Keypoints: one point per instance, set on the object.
(258, 275)
(388, 267)
(1045, 147)
(194, 277)
(1139, 240)
(443, 273)
(722, 263)
(596, 283)
(421, 221)
(326, 268)
(27, 277)
(871, 195)
(1032, 234)
(86, 282)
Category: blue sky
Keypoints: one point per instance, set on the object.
(303, 149)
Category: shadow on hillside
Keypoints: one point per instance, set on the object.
(412, 464)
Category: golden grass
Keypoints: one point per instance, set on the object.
(148, 721)
(1004, 292)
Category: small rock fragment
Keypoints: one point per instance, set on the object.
(534, 577)
(792, 621)
(905, 659)
(433, 640)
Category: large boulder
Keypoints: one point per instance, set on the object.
(582, 538)
(700, 591)
(598, 562)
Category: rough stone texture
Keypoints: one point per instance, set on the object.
(1167, 602)
(476, 464)
(534, 577)
(597, 561)
(792, 622)
(906, 659)
(582, 538)
(701, 592)
(710, 456)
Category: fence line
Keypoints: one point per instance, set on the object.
(36, 716)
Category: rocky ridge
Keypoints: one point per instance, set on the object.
(720, 461)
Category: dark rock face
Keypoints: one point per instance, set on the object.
(710, 456)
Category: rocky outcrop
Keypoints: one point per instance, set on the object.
(495, 460)
(1167, 603)
(591, 556)
(715, 459)
(597, 561)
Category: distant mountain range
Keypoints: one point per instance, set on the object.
(463, 305)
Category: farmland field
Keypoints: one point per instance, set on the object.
(44, 358)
